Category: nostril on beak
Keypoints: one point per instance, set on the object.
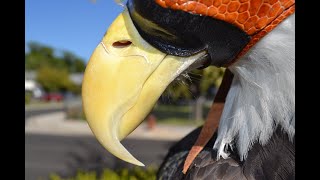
(121, 44)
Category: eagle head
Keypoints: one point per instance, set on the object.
(149, 45)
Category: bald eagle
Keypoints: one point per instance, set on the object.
(153, 41)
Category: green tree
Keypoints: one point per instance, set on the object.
(69, 59)
(73, 63)
(40, 55)
(37, 48)
(79, 66)
(54, 79)
(178, 89)
(52, 70)
(211, 76)
(196, 83)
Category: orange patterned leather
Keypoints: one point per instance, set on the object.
(249, 15)
(255, 38)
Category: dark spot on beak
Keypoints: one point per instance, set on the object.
(121, 44)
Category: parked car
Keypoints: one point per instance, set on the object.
(52, 97)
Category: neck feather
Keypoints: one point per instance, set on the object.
(262, 94)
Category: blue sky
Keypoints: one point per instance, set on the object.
(73, 25)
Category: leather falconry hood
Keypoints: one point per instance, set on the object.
(254, 17)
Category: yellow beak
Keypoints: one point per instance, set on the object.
(123, 80)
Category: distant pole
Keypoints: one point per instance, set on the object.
(199, 108)
(151, 121)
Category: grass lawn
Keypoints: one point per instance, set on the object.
(176, 115)
(165, 114)
(43, 105)
(136, 173)
(179, 121)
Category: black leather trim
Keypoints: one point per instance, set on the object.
(184, 34)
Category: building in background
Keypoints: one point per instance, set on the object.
(76, 78)
(31, 86)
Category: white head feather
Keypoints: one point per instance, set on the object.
(262, 94)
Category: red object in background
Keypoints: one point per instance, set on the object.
(151, 121)
(52, 97)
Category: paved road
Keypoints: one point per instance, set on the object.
(36, 112)
(65, 154)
